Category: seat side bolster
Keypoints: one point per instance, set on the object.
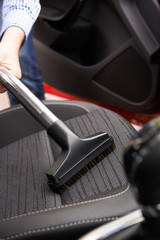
(88, 214)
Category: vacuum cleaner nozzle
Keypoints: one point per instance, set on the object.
(78, 155)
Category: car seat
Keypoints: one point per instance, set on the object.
(28, 207)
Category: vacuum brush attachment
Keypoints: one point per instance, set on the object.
(77, 157)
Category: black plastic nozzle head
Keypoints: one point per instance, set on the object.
(77, 157)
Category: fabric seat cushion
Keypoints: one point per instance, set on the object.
(24, 163)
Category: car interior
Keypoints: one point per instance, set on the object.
(107, 53)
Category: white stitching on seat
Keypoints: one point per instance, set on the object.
(60, 226)
(64, 206)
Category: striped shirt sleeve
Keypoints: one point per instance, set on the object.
(20, 13)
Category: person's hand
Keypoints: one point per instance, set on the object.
(9, 60)
(9, 51)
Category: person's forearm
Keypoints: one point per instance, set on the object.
(18, 13)
(18, 18)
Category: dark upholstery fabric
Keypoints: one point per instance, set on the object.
(23, 183)
(24, 163)
(108, 176)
